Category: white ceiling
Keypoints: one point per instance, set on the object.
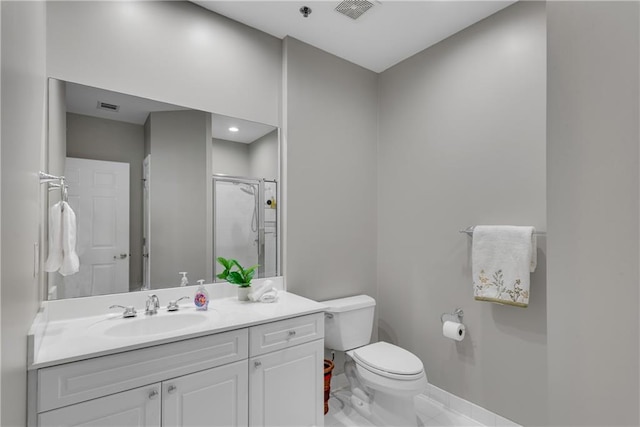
(247, 133)
(84, 100)
(389, 32)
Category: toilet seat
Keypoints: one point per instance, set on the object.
(389, 361)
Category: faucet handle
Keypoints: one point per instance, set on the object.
(173, 305)
(129, 311)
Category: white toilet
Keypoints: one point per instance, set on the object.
(384, 378)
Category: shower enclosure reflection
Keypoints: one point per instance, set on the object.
(245, 217)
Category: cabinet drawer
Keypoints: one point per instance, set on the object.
(285, 333)
(88, 379)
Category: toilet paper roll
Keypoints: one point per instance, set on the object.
(453, 330)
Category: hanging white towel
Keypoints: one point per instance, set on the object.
(62, 240)
(70, 261)
(54, 260)
(503, 257)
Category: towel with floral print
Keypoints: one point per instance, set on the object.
(503, 258)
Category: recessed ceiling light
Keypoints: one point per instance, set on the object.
(233, 129)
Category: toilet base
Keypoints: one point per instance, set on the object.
(387, 411)
(378, 406)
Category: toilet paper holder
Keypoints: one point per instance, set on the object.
(456, 316)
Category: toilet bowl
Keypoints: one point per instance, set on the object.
(383, 378)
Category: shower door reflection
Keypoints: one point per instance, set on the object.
(245, 223)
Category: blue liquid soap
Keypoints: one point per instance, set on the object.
(201, 299)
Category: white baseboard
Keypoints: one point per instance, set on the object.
(466, 408)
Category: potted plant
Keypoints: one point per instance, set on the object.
(240, 276)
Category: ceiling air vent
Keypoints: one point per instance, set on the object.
(354, 9)
(109, 107)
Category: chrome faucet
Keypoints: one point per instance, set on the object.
(129, 311)
(153, 304)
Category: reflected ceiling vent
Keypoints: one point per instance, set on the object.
(109, 107)
(354, 9)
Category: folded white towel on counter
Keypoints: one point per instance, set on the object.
(270, 296)
(62, 240)
(503, 257)
(264, 292)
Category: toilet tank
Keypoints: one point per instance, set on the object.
(348, 322)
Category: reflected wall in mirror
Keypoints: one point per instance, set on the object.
(159, 189)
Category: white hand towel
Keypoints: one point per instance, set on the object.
(70, 261)
(258, 290)
(503, 257)
(270, 296)
(54, 260)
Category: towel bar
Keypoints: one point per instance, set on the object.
(469, 231)
(49, 179)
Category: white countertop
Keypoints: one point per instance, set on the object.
(70, 340)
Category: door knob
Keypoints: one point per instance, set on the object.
(122, 256)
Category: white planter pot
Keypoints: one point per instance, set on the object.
(243, 293)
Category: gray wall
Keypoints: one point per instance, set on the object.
(180, 196)
(114, 141)
(257, 160)
(331, 174)
(593, 189)
(57, 127)
(462, 142)
(263, 156)
(54, 160)
(147, 138)
(151, 49)
(230, 158)
(24, 88)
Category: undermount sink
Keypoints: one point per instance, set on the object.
(154, 325)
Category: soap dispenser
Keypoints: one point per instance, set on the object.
(184, 281)
(201, 299)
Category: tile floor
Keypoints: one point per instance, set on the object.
(430, 412)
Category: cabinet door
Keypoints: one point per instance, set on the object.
(139, 407)
(215, 397)
(286, 387)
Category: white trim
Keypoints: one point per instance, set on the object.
(464, 407)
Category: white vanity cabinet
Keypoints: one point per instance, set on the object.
(216, 397)
(266, 374)
(286, 377)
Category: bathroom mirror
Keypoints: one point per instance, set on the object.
(157, 190)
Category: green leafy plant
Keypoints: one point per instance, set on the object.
(241, 276)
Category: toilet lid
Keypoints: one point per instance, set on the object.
(388, 358)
